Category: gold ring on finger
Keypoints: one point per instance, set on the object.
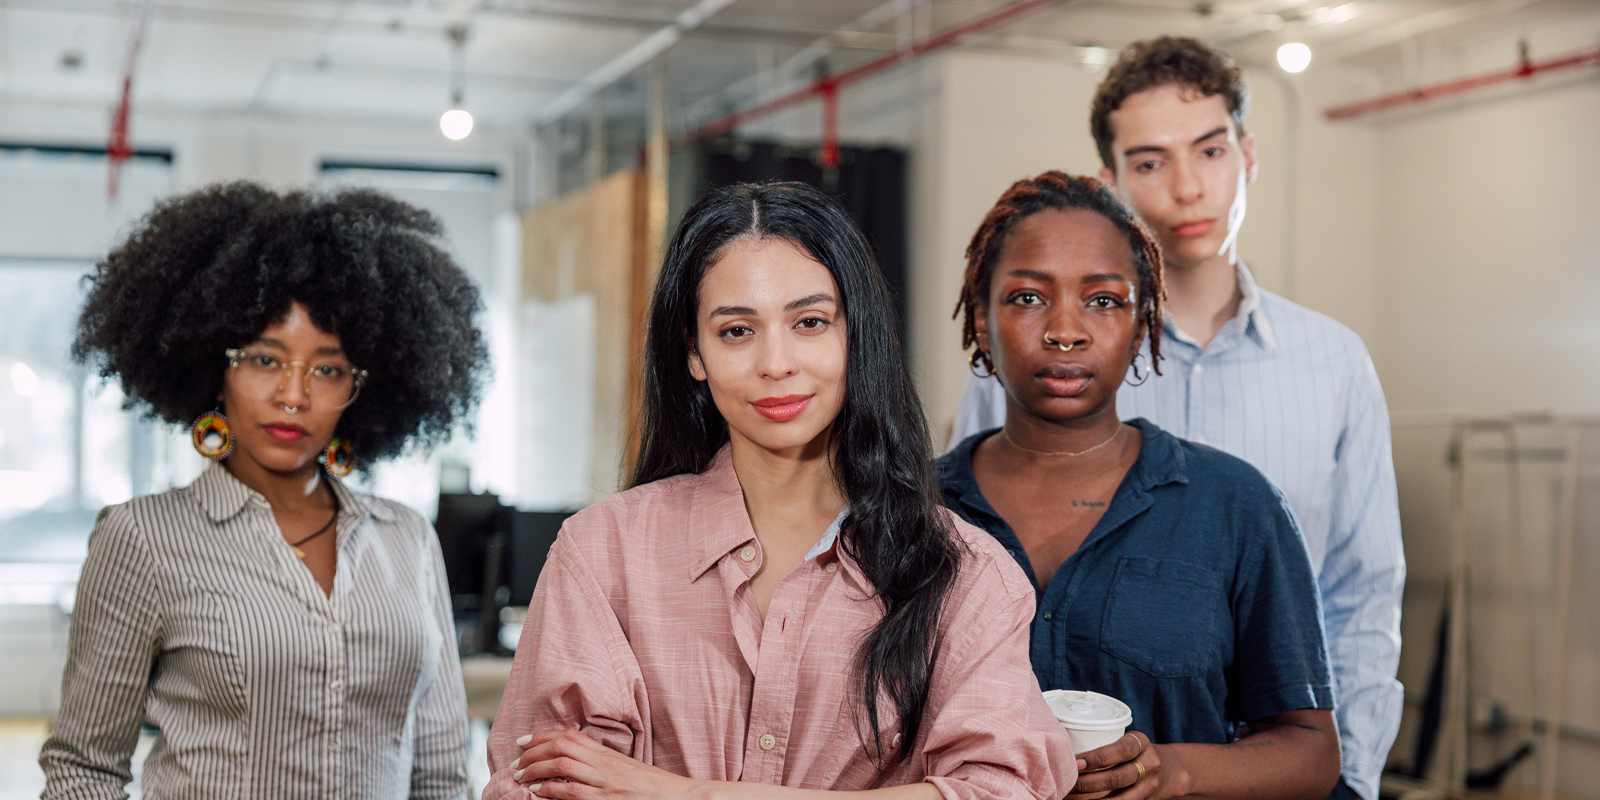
(1140, 767)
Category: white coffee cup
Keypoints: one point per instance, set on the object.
(1091, 719)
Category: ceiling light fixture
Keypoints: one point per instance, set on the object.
(457, 122)
(1294, 57)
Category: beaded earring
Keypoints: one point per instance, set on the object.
(339, 458)
(211, 435)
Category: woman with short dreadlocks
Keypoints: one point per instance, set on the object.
(1169, 575)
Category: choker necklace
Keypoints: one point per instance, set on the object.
(295, 546)
(1109, 440)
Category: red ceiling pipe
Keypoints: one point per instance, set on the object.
(830, 84)
(829, 157)
(1523, 70)
(117, 148)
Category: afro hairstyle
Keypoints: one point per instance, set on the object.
(212, 269)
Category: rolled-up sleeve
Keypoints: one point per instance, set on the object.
(991, 735)
(115, 635)
(573, 669)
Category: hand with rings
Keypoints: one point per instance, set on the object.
(1130, 767)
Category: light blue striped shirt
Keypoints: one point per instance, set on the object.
(1294, 393)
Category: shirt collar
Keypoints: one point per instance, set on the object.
(1161, 460)
(720, 522)
(222, 496)
(1249, 317)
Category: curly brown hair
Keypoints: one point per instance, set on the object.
(1060, 191)
(212, 269)
(1166, 61)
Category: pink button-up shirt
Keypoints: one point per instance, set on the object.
(644, 633)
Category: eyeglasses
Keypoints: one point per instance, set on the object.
(330, 381)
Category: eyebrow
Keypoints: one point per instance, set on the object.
(1151, 148)
(813, 300)
(746, 311)
(1032, 273)
(1105, 277)
(325, 350)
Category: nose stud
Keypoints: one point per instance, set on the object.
(1065, 348)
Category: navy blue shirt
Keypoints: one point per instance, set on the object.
(1192, 600)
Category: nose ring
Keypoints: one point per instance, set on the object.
(1065, 348)
(288, 409)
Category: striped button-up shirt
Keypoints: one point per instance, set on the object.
(644, 633)
(194, 614)
(1294, 393)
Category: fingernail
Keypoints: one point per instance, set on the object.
(534, 787)
(1082, 765)
(517, 776)
(523, 742)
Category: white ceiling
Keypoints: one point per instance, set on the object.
(391, 59)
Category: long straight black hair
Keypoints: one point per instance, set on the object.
(879, 450)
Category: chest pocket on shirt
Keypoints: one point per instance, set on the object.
(1164, 617)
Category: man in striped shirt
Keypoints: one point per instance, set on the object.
(1287, 389)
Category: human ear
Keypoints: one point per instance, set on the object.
(1108, 179)
(1247, 146)
(696, 367)
(980, 326)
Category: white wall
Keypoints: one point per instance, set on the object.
(1487, 300)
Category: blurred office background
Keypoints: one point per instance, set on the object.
(1429, 180)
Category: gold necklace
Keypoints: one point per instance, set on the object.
(1109, 440)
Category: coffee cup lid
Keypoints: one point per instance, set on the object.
(1088, 710)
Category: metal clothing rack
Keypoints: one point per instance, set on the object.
(1573, 457)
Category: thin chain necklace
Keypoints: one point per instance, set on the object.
(1109, 440)
(295, 546)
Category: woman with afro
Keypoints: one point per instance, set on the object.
(287, 636)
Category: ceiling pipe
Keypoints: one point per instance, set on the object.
(118, 149)
(631, 59)
(827, 87)
(1526, 69)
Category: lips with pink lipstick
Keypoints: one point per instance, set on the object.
(1064, 380)
(782, 409)
(286, 431)
(1194, 227)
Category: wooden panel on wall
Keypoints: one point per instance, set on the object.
(587, 243)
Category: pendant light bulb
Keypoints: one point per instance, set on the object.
(456, 123)
(1294, 57)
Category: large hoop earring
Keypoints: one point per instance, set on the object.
(1134, 367)
(339, 458)
(980, 357)
(211, 435)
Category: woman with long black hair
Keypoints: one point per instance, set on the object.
(779, 599)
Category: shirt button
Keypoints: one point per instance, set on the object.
(336, 685)
(768, 741)
(748, 554)
(832, 567)
(895, 742)
(1047, 615)
(1199, 369)
(1201, 439)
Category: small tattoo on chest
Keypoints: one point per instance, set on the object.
(1087, 504)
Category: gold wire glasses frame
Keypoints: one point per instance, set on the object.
(329, 381)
